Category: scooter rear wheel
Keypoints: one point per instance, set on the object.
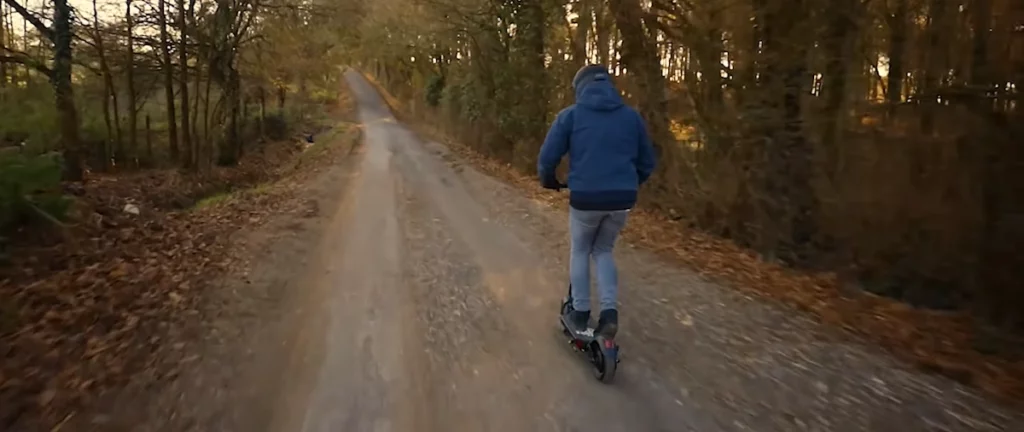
(604, 357)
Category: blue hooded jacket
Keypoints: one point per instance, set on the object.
(610, 153)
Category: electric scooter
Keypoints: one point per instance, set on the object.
(602, 352)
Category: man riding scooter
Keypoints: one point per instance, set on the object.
(610, 156)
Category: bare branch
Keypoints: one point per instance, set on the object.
(88, 67)
(31, 18)
(17, 57)
(87, 41)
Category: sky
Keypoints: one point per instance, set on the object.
(106, 9)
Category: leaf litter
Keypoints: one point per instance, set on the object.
(86, 310)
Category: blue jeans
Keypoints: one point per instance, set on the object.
(593, 234)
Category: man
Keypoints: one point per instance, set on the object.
(610, 156)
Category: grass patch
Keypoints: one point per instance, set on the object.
(341, 134)
(261, 188)
(212, 200)
(222, 197)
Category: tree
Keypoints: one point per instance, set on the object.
(112, 122)
(60, 38)
(866, 134)
(133, 112)
(168, 69)
(186, 122)
(898, 23)
(639, 54)
(3, 44)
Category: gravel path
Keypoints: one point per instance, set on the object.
(468, 340)
(431, 305)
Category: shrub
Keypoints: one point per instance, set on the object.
(30, 188)
(276, 127)
(435, 89)
(29, 114)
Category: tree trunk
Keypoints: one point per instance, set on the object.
(935, 66)
(673, 62)
(263, 111)
(110, 118)
(206, 141)
(149, 141)
(530, 41)
(640, 56)
(224, 71)
(186, 130)
(898, 27)
(786, 197)
(3, 44)
(196, 101)
(67, 114)
(712, 105)
(844, 23)
(245, 123)
(581, 33)
(133, 112)
(981, 79)
(603, 31)
(748, 45)
(116, 115)
(168, 69)
(24, 36)
(8, 18)
(1003, 198)
(230, 144)
(104, 148)
(711, 65)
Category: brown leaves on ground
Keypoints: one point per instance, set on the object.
(935, 342)
(83, 315)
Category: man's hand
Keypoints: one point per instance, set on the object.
(551, 182)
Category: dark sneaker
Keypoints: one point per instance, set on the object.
(608, 323)
(579, 320)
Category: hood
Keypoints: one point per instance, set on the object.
(599, 95)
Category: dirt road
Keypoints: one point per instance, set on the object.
(436, 311)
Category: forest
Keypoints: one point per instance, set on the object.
(138, 84)
(122, 123)
(876, 138)
(880, 140)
